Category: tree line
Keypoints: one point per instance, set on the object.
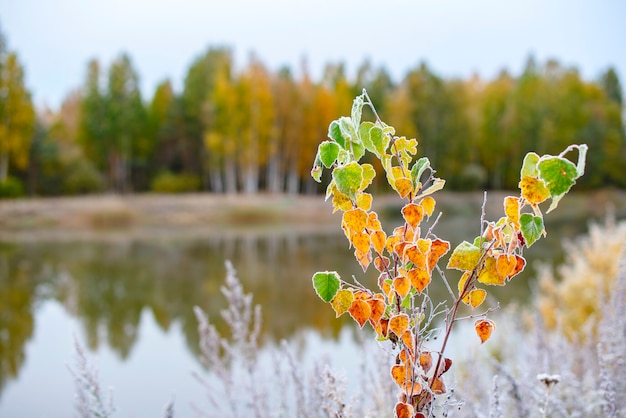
(249, 130)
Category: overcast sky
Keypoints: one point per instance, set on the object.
(56, 38)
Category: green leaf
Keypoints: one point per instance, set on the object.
(348, 130)
(364, 134)
(358, 150)
(529, 167)
(464, 257)
(316, 171)
(532, 228)
(380, 141)
(326, 284)
(334, 133)
(328, 152)
(437, 185)
(368, 175)
(418, 169)
(558, 173)
(357, 109)
(348, 179)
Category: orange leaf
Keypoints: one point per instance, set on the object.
(361, 241)
(355, 219)
(381, 327)
(413, 214)
(426, 361)
(428, 203)
(519, 266)
(405, 358)
(342, 301)
(438, 387)
(360, 311)
(403, 186)
(373, 224)
(484, 328)
(412, 388)
(420, 279)
(417, 257)
(400, 249)
(402, 285)
(399, 374)
(384, 282)
(437, 249)
(378, 239)
(505, 264)
(377, 307)
(364, 258)
(475, 297)
(511, 209)
(381, 263)
(409, 340)
(399, 323)
(404, 410)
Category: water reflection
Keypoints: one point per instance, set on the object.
(107, 286)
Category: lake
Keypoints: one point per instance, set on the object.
(129, 301)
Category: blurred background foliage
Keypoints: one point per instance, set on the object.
(248, 129)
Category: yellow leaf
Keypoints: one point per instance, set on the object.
(428, 203)
(404, 186)
(484, 328)
(355, 219)
(364, 201)
(360, 311)
(438, 387)
(511, 210)
(475, 297)
(489, 273)
(378, 239)
(391, 243)
(534, 190)
(402, 285)
(341, 201)
(413, 214)
(373, 224)
(342, 301)
(398, 324)
(462, 282)
(361, 242)
(420, 279)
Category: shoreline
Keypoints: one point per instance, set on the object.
(160, 216)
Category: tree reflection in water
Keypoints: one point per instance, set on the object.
(107, 285)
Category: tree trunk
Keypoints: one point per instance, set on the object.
(4, 167)
(230, 175)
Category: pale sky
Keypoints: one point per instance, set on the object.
(56, 38)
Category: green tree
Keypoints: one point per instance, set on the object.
(17, 115)
(125, 123)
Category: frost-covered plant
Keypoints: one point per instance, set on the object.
(550, 371)
(401, 310)
(90, 401)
